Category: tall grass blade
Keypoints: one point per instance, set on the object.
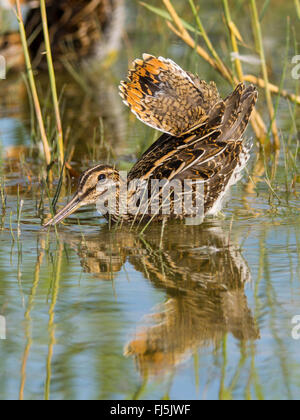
(264, 9)
(32, 84)
(165, 15)
(258, 32)
(52, 82)
(297, 5)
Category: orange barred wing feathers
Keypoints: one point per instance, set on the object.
(166, 97)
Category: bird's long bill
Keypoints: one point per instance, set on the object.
(69, 209)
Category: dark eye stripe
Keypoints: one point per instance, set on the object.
(87, 174)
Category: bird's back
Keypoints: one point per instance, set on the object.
(203, 134)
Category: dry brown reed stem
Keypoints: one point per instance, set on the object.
(257, 122)
(191, 43)
(183, 33)
(273, 88)
(246, 78)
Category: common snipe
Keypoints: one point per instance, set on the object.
(201, 149)
(79, 30)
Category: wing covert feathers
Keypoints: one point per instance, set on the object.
(166, 97)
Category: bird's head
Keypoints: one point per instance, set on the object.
(94, 183)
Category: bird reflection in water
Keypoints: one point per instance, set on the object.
(203, 275)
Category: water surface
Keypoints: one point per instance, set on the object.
(191, 312)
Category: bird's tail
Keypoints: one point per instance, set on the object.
(238, 110)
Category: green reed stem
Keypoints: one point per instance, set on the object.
(264, 9)
(297, 5)
(20, 204)
(284, 71)
(3, 203)
(60, 143)
(32, 84)
(59, 187)
(258, 33)
(209, 44)
(2, 193)
(11, 228)
(297, 90)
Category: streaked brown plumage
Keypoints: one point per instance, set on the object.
(166, 97)
(202, 141)
(79, 29)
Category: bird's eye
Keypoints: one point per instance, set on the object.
(102, 178)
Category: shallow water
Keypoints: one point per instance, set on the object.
(207, 313)
(193, 312)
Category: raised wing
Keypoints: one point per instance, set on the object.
(165, 97)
